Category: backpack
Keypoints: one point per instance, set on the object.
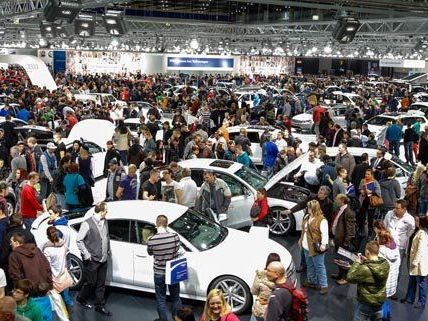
(299, 304)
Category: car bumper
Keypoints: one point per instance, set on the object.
(302, 126)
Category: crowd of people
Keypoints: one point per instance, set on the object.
(355, 211)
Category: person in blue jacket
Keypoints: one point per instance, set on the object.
(270, 152)
(394, 133)
(23, 114)
(242, 156)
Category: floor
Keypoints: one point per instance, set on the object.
(337, 305)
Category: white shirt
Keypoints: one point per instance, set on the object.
(400, 228)
(189, 191)
(324, 233)
(281, 143)
(3, 282)
(311, 171)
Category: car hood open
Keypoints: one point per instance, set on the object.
(97, 131)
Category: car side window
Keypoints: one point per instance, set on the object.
(93, 148)
(198, 176)
(119, 230)
(141, 232)
(234, 186)
(254, 137)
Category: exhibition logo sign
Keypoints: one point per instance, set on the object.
(199, 63)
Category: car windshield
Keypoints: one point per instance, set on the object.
(402, 164)
(379, 121)
(201, 232)
(251, 177)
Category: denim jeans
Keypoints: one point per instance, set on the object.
(423, 206)
(302, 259)
(28, 222)
(60, 198)
(316, 272)
(365, 312)
(417, 281)
(394, 147)
(124, 157)
(68, 300)
(408, 151)
(160, 291)
(254, 318)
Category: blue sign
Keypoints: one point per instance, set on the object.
(198, 63)
(176, 271)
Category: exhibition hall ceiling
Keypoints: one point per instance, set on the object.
(387, 28)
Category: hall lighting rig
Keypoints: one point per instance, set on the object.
(114, 23)
(59, 9)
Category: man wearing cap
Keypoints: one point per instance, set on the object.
(114, 177)
(112, 153)
(47, 166)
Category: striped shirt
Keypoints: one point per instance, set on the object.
(164, 247)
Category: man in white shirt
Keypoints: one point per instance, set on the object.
(3, 283)
(309, 170)
(186, 190)
(401, 225)
(280, 141)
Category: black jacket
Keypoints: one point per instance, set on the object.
(111, 153)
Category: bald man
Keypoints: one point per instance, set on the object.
(280, 300)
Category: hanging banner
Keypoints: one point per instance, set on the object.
(402, 63)
(35, 68)
(199, 63)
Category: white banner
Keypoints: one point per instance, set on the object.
(34, 67)
(402, 63)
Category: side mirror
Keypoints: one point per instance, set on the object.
(222, 218)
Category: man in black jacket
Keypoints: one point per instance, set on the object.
(410, 137)
(112, 153)
(360, 172)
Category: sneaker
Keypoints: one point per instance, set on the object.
(324, 290)
(306, 284)
(342, 282)
(84, 303)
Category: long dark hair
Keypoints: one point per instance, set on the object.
(52, 234)
(272, 257)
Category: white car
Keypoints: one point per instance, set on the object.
(304, 123)
(95, 133)
(248, 97)
(243, 183)
(403, 171)
(377, 123)
(134, 125)
(101, 99)
(339, 97)
(420, 106)
(421, 97)
(217, 257)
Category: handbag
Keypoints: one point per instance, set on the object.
(255, 210)
(63, 281)
(375, 200)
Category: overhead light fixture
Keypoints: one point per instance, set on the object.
(60, 9)
(43, 43)
(114, 42)
(84, 25)
(315, 17)
(346, 29)
(114, 22)
(327, 49)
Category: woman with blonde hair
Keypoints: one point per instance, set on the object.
(411, 191)
(314, 240)
(217, 309)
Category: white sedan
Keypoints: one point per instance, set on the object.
(218, 257)
(243, 183)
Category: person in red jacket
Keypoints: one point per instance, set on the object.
(260, 209)
(316, 117)
(29, 202)
(72, 120)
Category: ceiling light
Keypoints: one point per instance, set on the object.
(114, 43)
(42, 42)
(327, 49)
(315, 17)
(111, 21)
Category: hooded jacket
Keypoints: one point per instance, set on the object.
(262, 288)
(28, 262)
(391, 192)
(370, 277)
(391, 253)
(30, 311)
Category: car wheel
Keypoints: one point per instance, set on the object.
(236, 292)
(281, 225)
(76, 271)
(10, 206)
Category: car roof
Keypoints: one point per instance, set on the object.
(211, 164)
(251, 128)
(143, 210)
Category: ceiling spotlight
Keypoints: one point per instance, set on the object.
(315, 17)
(194, 44)
(346, 28)
(114, 22)
(43, 42)
(62, 9)
(114, 43)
